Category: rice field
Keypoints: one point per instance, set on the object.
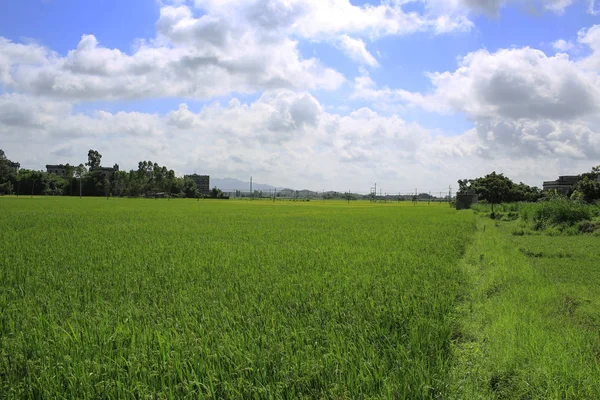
(136, 298)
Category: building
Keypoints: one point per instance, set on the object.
(14, 166)
(562, 185)
(202, 181)
(466, 201)
(60, 170)
(107, 172)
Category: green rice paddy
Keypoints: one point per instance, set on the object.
(137, 298)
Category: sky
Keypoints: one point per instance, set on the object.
(317, 94)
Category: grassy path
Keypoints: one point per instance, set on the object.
(528, 327)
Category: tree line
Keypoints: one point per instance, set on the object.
(87, 180)
(497, 188)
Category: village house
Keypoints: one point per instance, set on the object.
(562, 185)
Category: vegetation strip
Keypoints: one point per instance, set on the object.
(528, 326)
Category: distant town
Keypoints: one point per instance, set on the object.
(153, 180)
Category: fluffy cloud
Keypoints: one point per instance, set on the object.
(16, 54)
(232, 46)
(288, 138)
(322, 19)
(528, 109)
(355, 50)
(523, 103)
(493, 7)
(283, 137)
(519, 83)
(92, 72)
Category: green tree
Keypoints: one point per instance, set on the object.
(31, 182)
(190, 189)
(53, 185)
(8, 177)
(216, 193)
(177, 185)
(6, 188)
(80, 173)
(589, 186)
(120, 183)
(94, 159)
(495, 188)
(106, 187)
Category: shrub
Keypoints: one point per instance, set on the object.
(557, 211)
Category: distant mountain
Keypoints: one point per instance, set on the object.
(230, 184)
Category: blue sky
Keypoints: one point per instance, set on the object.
(345, 92)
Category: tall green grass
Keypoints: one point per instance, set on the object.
(558, 215)
(559, 211)
(132, 298)
(528, 327)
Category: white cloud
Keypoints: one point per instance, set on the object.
(322, 19)
(518, 83)
(493, 7)
(355, 49)
(528, 109)
(386, 98)
(15, 54)
(232, 46)
(191, 58)
(523, 103)
(511, 83)
(563, 45)
(285, 137)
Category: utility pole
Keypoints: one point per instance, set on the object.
(449, 194)
(375, 194)
(251, 192)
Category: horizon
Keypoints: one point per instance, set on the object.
(322, 95)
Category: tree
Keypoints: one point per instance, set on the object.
(52, 184)
(495, 188)
(120, 183)
(216, 193)
(106, 185)
(589, 186)
(8, 178)
(70, 174)
(94, 159)
(80, 172)
(6, 188)
(190, 189)
(463, 186)
(31, 182)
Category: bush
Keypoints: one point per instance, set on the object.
(558, 211)
(588, 226)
